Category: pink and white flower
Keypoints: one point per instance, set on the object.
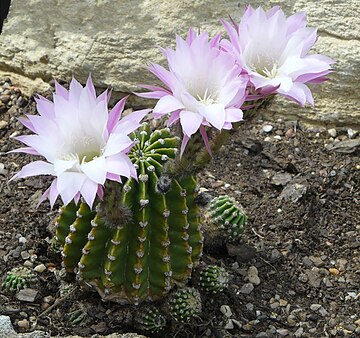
(203, 86)
(82, 143)
(273, 50)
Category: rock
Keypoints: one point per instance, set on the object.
(40, 268)
(299, 332)
(6, 328)
(317, 261)
(282, 332)
(253, 275)
(352, 133)
(27, 295)
(267, 128)
(281, 179)
(315, 307)
(24, 324)
(332, 132)
(247, 288)
(225, 309)
(345, 147)
(357, 322)
(244, 253)
(293, 192)
(5, 98)
(3, 124)
(88, 43)
(3, 171)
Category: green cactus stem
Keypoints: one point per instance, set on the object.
(229, 216)
(17, 279)
(151, 320)
(144, 236)
(214, 279)
(185, 304)
(78, 316)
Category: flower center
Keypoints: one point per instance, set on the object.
(207, 98)
(265, 65)
(82, 149)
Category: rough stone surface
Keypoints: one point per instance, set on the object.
(7, 331)
(58, 38)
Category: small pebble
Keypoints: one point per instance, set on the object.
(28, 264)
(267, 128)
(3, 124)
(225, 309)
(27, 295)
(282, 332)
(23, 324)
(315, 307)
(247, 288)
(334, 271)
(253, 275)
(332, 132)
(40, 268)
(299, 332)
(22, 240)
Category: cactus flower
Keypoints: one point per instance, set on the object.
(203, 86)
(82, 143)
(273, 50)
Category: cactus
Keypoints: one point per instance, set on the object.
(144, 236)
(151, 320)
(214, 279)
(18, 278)
(78, 316)
(229, 216)
(185, 304)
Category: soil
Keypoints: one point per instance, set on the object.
(302, 198)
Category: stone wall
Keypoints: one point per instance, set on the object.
(113, 39)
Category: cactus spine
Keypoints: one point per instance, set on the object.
(144, 236)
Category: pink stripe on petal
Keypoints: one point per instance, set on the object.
(184, 143)
(27, 123)
(115, 114)
(25, 150)
(174, 117)
(53, 193)
(113, 177)
(90, 86)
(35, 169)
(44, 196)
(77, 198)
(100, 192)
(61, 91)
(206, 140)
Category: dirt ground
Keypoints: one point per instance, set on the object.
(300, 188)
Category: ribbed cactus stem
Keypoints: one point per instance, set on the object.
(228, 215)
(144, 236)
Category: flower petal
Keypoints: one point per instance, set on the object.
(190, 122)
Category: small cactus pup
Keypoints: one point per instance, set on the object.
(185, 304)
(18, 278)
(229, 216)
(152, 320)
(214, 279)
(144, 236)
